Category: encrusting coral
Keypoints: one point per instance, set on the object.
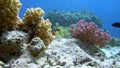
(9, 14)
(36, 26)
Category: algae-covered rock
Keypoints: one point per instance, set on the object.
(36, 47)
(11, 45)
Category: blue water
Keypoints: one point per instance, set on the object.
(108, 10)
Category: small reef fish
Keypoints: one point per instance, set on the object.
(116, 24)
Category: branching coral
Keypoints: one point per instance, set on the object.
(89, 33)
(8, 14)
(36, 26)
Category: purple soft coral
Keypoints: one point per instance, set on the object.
(89, 33)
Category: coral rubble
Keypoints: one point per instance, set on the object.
(89, 33)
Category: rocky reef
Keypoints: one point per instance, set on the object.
(66, 18)
(62, 53)
(11, 44)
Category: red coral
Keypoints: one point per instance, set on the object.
(89, 33)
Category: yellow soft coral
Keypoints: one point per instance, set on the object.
(44, 31)
(32, 16)
(8, 14)
(36, 26)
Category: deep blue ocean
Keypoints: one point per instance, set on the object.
(108, 10)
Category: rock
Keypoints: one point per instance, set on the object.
(65, 53)
(11, 44)
(1, 64)
(61, 53)
(111, 51)
(36, 47)
(23, 63)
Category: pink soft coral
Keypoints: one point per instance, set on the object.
(89, 33)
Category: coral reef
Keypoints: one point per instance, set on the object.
(89, 33)
(36, 26)
(61, 31)
(66, 18)
(12, 39)
(8, 14)
(32, 23)
(26, 45)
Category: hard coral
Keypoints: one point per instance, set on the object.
(89, 33)
(8, 14)
(36, 26)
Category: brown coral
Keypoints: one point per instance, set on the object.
(36, 26)
(8, 14)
